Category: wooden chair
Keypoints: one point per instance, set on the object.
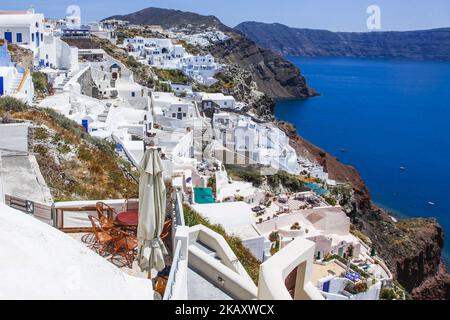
(124, 246)
(105, 214)
(167, 229)
(103, 238)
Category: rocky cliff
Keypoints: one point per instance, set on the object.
(420, 45)
(411, 247)
(274, 76)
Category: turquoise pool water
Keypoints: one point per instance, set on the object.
(316, 189)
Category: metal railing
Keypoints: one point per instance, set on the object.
(168, 294)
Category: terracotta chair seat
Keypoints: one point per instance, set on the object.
(104, 237)
(127, 243)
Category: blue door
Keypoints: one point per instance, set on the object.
(1, 86)
(326, 287)
(37, 39)
(19, 37)
(8, 36)
(85, 124)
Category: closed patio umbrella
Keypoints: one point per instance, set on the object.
(152, 207)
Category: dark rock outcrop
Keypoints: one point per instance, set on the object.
(275, 76)
(420, 45)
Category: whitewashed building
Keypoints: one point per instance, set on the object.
(57, 54)
(200, 68)
(167, 105)
(219, 100)
(160, 53)
(328, 228)
(230, 191)
(259, 143)
(163, 53)
(182, 89)
(24, 28)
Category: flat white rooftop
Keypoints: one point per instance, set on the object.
(236, 218)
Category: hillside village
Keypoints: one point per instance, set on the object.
(248, 213)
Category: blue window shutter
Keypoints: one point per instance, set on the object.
(32, 37)
(19, 37)
(8, 37)
(1, 86)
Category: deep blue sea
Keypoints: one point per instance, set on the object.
(385, 114)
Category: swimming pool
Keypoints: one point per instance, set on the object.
(316, 189)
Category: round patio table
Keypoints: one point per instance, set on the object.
(128, 218)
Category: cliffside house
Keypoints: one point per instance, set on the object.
(24, 28)
(217, 100)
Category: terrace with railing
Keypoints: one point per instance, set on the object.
(202, 264)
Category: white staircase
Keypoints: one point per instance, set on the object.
(16, 83)
(104, 115)
(60, 87)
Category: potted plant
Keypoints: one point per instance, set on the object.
(273, 237)
(296, 226)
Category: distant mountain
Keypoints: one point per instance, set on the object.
(168, 18)
(422, 45)
(274, 75)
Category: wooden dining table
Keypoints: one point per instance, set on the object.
(128, 219)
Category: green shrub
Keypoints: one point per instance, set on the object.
(248, 174)
(41, 150)
(12, 104)
(287, 180)
(40, 81)
(132, 63)
(174, 76)
(331, 200)
(388, 294)
(85, 153)
(64, 149)
(41, 134)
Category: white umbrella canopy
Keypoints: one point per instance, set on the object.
(152, 209)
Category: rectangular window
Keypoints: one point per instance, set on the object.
(32, 37)
(174, 115)
(9, 36)
(1, 86)
(184, 115)
(19, 37)
(133, 94)
(42, 37)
